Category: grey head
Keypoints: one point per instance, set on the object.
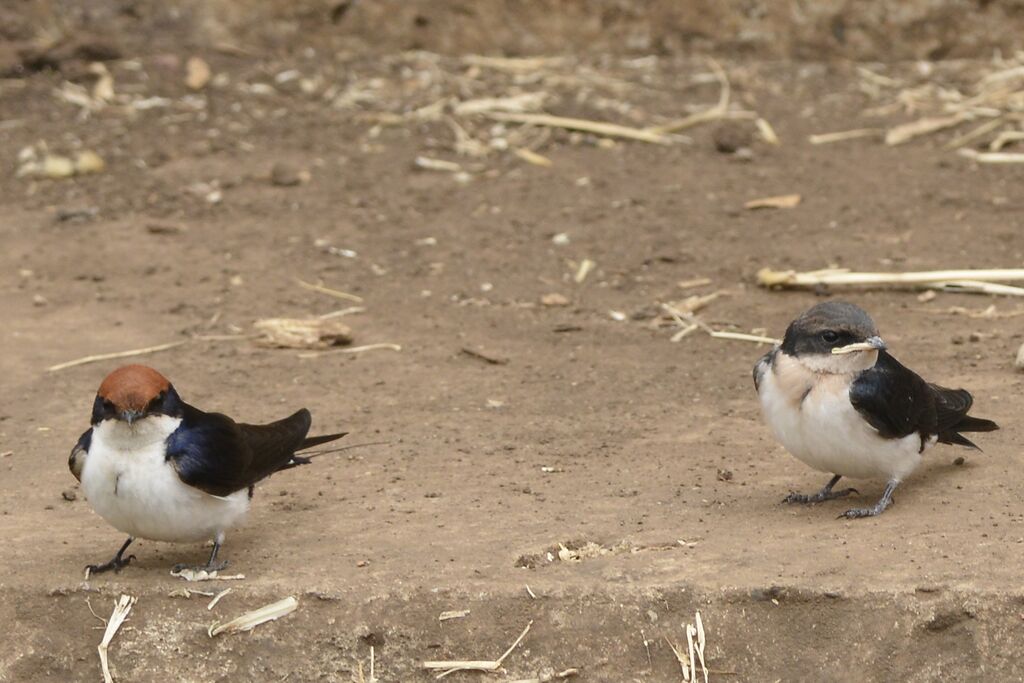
(832, 327)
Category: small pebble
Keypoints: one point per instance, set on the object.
(69, 495)
(284, 175)
(959, 461)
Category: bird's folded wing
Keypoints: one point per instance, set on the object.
(76, 461)
(273, 445)
(894, 400)
(209, 453)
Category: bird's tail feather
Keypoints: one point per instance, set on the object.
(975, 424)
(311, 441)
(967, 424)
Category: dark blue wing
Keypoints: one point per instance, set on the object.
(894, 400)
(219, 456)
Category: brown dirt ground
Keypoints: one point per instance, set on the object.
(375, 542)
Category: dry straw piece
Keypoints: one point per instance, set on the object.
(451, 666)
(985, 281)
(303, 333)
(117, 617)
(251, 620)
(785, 201)
(612, 130)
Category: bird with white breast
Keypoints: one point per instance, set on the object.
(836, 399)
(155, 467)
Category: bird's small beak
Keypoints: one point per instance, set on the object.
(870, 344)
(130, 416)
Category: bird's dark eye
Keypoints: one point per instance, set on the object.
(830, 337)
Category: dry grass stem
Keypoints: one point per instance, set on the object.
(977, 287)
(842, 136)
(785, 201)
(767, 277)
(451, 666)
(741, 336)
(719, 110)
(117, 617)
(993, 157)
(612, 130)
(453, 614)
(216, 599)
(586, 265)
(251, 620)
(531, 157)
(111, 356)
(354, 349)
(337, 294)
(975, 133)
(342, 312)
(767, 132)
(908, 131)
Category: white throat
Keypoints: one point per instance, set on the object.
(122, 436)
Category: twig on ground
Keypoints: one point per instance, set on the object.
(841, 136)
(992, 157)
(111, 356)
(451, 666)
(216, 599)
(352, 349)
(767, 277)
(717, 111)
(336, 293)
(613, 130)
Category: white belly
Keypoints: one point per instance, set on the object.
(129, 484)
(825, 431)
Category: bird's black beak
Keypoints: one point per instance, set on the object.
(130, 416)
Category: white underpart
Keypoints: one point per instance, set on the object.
(129, 483)
(806, 402)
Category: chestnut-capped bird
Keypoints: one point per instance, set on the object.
(838, 401)
(155, 467)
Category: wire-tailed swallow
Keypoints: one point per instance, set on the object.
(155, 467)
(840, 403)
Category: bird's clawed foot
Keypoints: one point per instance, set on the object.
(880, 506)
(818, 497)
(824, 494)
(117, 564)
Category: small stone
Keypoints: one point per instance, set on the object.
(554, 299)
(197, 73)
(362, 563)
(69, 495)
(957, 340)
(1019, 362)
(39, 300)
(725, 475)
(284, 175)
(731, 136)
(959, 461)
(974, 337)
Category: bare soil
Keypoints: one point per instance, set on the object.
(590, 428)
